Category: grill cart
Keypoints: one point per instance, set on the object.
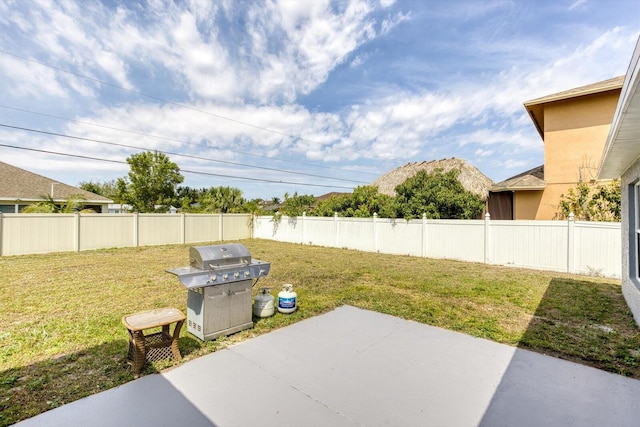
(219, 280)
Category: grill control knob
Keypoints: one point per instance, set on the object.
(246, 274)
(236, 275)
(225, 277)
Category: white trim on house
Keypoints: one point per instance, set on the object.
(622, 148)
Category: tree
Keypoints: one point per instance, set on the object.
(362, 203)
(222, 199)
(106, 189)
(438, 194)
(592, 202)
(295, 205)
(188, 198)
(151, 182)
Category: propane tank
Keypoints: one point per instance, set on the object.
(263, 305)
(287, 299)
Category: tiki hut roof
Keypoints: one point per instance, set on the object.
(470, 177)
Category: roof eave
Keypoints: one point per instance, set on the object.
(621, 149)
(518, 188)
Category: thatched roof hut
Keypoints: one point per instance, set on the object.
(470, 177)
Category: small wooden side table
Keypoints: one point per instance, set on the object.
(154, 346)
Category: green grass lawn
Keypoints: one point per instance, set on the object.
(62, 337)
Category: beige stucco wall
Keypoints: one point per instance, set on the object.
(575, 132)
(525, 204)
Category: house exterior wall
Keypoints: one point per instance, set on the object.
(526, 204)
(630, 287)
(575, 132)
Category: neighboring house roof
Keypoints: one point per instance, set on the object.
(535, 107)
(329, 195)
(622, 148)
(532, 179)
(19, 184)
(470, 177)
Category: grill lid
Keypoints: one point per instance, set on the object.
(212, 257)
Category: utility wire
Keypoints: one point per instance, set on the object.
(181, 170)
(182, 141)
(156, 98)
(176, 154)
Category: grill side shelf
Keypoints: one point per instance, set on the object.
(192, 277)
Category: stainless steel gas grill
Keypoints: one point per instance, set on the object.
(219, 279)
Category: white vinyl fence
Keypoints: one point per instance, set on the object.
(41, 233)
(591, 248)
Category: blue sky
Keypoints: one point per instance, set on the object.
(305, 96)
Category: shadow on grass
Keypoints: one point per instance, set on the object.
(587, 322)
(30, 390)
(581, 321)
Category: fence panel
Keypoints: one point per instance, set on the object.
(264, 228)
(99, 231)
(598, 248)
(38, 233)
(320, 231)
(455, 239)
(201, 228)
(159, 229)
(282, 229)
(530, 244)
(399, 237)
(356, 233)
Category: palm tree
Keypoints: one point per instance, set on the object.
(73, 203)
(223, 199)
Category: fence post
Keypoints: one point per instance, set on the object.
(183, 231)
(136, 234)
(424, 235)
(76, 231)
(375, 232)
(570, 242)
(1, 224)
(336, 229)
(487, 238)
(221, 227)
(304, 218)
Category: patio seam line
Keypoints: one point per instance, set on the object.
(294, 387)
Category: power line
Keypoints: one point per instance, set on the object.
(181, 170)
(181, 141)
(156, 98)
(176, 154)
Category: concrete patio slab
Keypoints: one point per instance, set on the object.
(352, 367)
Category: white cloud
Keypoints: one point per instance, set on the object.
(358, 60)
(29, 79)
(577, 4)
(390, 23)
(315, 39)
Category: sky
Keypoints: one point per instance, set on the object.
(293, 96)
